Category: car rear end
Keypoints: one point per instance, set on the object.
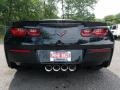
(58, 44)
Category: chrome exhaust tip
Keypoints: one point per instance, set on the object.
(72, 68)
(48, 68)
(18, 63)
(56, 68)
(64, 68)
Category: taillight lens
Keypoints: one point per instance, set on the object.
(86, 32)
(18, 32)
(94, 32)
(100, 32)
(33, 32)
(21, 32)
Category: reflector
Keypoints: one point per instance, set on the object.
(20, 50)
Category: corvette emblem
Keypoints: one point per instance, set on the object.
(61, 34)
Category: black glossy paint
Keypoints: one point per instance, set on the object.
(59, 35)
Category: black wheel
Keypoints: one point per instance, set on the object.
(11, 64)
(17, 67)
(105, 64)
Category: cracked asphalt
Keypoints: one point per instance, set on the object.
(105, 79)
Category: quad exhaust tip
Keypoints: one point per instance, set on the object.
(48, 68)
(56, 68)
(18, 64)
(64, 68)
(72, 68)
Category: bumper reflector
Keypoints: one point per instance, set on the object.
(20, 50)
(99, 50)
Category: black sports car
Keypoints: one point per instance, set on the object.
(58, 45)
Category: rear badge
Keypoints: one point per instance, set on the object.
(61, 34)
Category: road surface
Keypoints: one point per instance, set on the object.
(105, 79)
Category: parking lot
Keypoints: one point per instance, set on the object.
(105, 79)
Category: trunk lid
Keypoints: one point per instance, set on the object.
(56, 35)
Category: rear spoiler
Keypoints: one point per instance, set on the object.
(57, 23)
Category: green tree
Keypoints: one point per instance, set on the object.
(113, 19)
(117, 18)
(79, 9)
(12, 10)
(109, 19)
(50, 10)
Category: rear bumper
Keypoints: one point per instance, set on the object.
(83, 54)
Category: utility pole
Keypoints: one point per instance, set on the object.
(62, 9)
(10, 10)
(44, 8)
(68, 15)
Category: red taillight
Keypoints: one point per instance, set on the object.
(86, 32)
(94, 32)
(21, 32)
(18, 32)
(100, 32)
(33, 32)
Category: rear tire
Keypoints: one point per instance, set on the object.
(17, 67)
(11, 64)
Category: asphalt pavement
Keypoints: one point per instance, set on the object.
(105, 79)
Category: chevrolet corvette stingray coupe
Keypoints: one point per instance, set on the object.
(58, 45)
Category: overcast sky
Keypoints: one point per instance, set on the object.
(102, 8)
(107, 7)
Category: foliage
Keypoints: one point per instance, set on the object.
(12, 10)
(79, 9)
(113, 19)
(117, 18)
(109, 18)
